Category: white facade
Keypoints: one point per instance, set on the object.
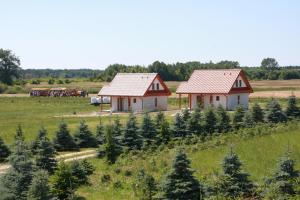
(228, 102)
(138, 104)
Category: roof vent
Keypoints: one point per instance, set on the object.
(230, 73)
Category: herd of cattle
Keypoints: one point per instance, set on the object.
(57, 92)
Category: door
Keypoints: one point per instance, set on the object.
(120, 104)
(200, 101)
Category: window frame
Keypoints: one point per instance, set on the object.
(217, 98)
(134, 100)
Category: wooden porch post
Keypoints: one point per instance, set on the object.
(101, 103)
(179, 101)
(110, 100)
(190, 101)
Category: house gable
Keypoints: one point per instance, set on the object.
(241, 84)
(157, 88)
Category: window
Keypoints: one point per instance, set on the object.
(217, 98)
(236, 83)
(134, 100)
(240, 83)
(239, 98)
(155, 102)
(153, 87)
(157, 86)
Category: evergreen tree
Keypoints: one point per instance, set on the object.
(84, 137)
(117, 130)
(223, 120)
(45, 154)
(164, 132)
(248, 121)
(180, 183)
(63, 182)
(148, 131)
(274, 112)
(64, 141)
(17, 179)
(178, 129)
(283, 183)
(111, 148)
(132, 139)
(257, 113)
(194, 123)
(81, 170)
(39, 188)
(233, 182)
(145, 186)
(100, 132)
(42, 133)
(292, 110)
(4, 151)
(160, 117)
(238, 116)
(186, 115)
(210, 121)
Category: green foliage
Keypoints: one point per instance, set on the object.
(248, 121)
(84, 137)
(164, 132)
(180, 182)
(60, 82)
(111, 148)
(35, 82)
(148, 131)
(82, 170)
(132, 139)
(144, 187)
(39, 188)
(51, 81)
(274, 112)
(160, 117)
(63, 182)
(64, 141)
(194, 123)
(284, 181)
(44, 152)
(17, 179)
(178, 129)
(233, 182)
(223, 120)
(238, 116)
(186, 115)
(257, 113)
(269, 63)
(292, 110)
(100, 133)
(117, 131)
(4, 151)
(210, 121)
(9, 66)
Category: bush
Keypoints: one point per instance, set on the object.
(67, 81)
(3, 88)
(35, 82)
(51, 81)
(60, 82)
(105, 178)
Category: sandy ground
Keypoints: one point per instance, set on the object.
(275, 94)
(65, 157)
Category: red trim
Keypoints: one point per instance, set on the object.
(156, 93)
(166, 89)
(240, 90)
(248, 87)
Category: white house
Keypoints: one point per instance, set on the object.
(227, 87)
(136, 92)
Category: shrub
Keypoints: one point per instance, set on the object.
(3, 88)
(105, 178)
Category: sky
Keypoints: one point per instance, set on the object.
(95, 33)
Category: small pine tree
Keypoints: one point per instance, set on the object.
(180, 182)
(145, 186)
(233, 182)
(274, 112)
(178, 129)
(257, 113)
(238, 116)
(84, 137)
(4, 151)
(39, 188)
(111, 148)
(186, 115)
(248, 121)
(81, 170)
(194, 123)
(283, 183)
(64, 141)
(45, 154)
(292, 110)
(164, 132)
(160, 117)
(210, 121)
(132, 139)
(41, 133)
(148, 131)
(117, 130)
(63, 182)
(16, 181)
(100, 132)
(223, 120)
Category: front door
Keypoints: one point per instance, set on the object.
(120, 104)
(200, 101)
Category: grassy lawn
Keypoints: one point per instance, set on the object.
(259, 155)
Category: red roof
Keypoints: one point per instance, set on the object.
(130, 84)
(212, 81)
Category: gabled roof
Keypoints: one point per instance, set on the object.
(212, 81)
(129, 84)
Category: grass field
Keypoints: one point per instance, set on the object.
(259, 155)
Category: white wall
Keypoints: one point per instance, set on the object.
(233, 100)
(206, 101)
(149, 103)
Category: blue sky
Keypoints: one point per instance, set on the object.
(96, 33)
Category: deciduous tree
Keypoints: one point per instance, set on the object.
(9, 66)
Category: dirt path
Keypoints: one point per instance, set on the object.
(65, 157)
